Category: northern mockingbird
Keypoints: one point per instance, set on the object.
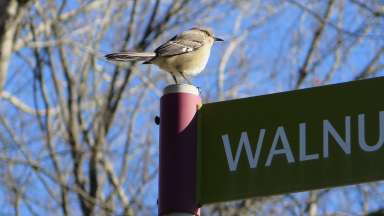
(184, 54)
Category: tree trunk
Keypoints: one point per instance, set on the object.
(10, 14)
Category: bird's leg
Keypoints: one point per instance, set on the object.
(174, 78)
(189, 82)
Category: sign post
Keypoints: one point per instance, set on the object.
(178, 144)
(292, 141)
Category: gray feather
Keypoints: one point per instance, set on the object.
(180, 44)
(130, 56)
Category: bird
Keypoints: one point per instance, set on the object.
(185, 54)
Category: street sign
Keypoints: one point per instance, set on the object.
(292, 141)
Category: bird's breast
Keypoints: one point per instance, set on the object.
(194, 62)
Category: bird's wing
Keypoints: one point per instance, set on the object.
(179, 45)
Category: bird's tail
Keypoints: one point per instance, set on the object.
(130, 56)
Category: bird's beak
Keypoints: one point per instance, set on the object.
(217, 39)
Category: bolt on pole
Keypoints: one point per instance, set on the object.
(178, 149)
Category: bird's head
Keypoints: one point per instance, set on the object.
(207, 32)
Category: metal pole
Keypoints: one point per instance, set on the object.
(178, 146)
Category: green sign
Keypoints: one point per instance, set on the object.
(291, 141)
